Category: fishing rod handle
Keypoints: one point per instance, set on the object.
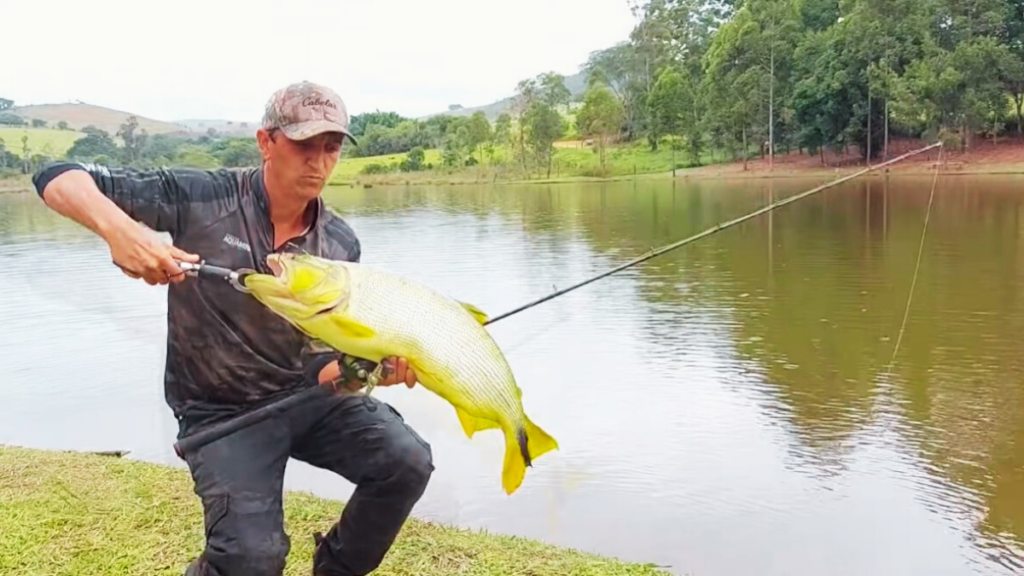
(195, 441)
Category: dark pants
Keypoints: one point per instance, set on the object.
(239, 479)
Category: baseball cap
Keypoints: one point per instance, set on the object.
(305, 109)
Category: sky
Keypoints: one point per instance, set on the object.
(223, 58)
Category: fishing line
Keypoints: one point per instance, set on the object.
(917, 267)
(717, 228)
(203, 437)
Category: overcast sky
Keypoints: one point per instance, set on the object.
(223, 58)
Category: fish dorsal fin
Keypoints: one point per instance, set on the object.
(351, 328)
(471, 424)
(477, 313)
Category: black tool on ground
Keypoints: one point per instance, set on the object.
(215, 433)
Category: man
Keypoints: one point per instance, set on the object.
(227, 354)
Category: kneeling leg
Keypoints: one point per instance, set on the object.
(367, 442)
(239, 479)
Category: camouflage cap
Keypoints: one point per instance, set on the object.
(305, 109)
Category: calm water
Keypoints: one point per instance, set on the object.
(723, 409)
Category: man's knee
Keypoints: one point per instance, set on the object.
(247, 538)
(407, 463)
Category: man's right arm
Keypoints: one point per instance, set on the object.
(74, 192)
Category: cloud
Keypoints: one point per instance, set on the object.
(221, 59)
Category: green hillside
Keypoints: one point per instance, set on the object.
(46, 141)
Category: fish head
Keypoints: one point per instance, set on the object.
(301, 285)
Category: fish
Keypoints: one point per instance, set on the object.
(374, 314)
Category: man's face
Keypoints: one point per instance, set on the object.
(300, 167)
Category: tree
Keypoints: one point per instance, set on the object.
(732, 82)
(413, 160)
(600, 117)
(38, 123)
(6, 104)
(677, 109)
(503, 128)
(1014, 40)
(95, 143)
(360, 122)
(8, 119)
(133, 143)
(240, 152)
(668, 102)
(62, 125)
(544, 126)
(551, 89)
(479, 130)
(622, 69)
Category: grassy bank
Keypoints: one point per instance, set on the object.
(65, 513)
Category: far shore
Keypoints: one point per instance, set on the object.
(984, 158)
(93, 515)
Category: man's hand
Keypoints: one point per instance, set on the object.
(141, 254)
(396, 371)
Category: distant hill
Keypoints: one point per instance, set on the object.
(80, 115)
(223, 127)
(577, 84)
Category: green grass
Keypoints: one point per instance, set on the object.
(87, 515)
(570, 161)
(623, 160)
(52, 142)
(349, 168)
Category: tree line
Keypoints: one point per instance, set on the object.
(759, 76)
(818, 74)
(740, 76)
(542, 111)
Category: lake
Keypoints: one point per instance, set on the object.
(724, 409)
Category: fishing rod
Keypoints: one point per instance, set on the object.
(230, 426)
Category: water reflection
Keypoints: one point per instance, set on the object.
(730, 399)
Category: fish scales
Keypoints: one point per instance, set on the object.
(393, 305)
(374, 314)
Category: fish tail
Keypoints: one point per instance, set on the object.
(540, 442)
(523, 445)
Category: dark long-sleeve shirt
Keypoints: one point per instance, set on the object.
(223, 347)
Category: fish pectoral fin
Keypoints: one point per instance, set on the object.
(477, 313)
(472, 424)
(352, 328)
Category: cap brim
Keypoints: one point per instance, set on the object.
(305, 130)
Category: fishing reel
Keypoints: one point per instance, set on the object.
(351, 369)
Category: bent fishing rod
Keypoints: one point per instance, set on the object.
(201, 269)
